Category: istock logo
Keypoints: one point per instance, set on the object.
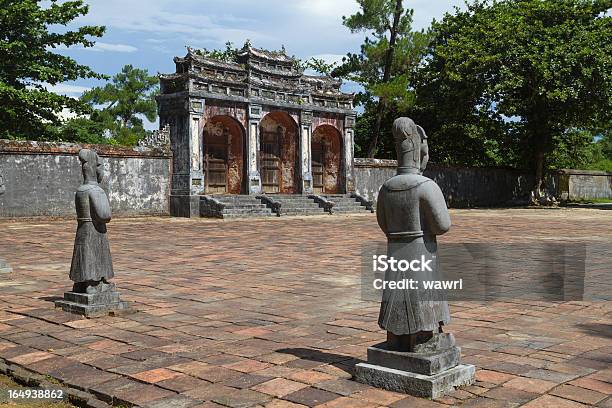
(383, 263)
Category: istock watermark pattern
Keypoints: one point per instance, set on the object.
(539, 271)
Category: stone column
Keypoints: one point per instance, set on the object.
(196, 111)
(349, 151)
(305, 153)
(252, 159)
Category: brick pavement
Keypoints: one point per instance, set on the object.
(268, 313)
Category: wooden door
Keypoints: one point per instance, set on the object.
(317, 167)
(270, 162)
(216, 149)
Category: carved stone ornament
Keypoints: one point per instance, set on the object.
(159, 139)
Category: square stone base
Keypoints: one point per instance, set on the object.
(421, 363)
(419, 385)
(93, 305)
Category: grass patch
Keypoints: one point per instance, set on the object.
(593, 201)
(6, 383)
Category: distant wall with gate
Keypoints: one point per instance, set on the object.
(40, 178)
(462, 186)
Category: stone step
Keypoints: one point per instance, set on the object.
(335, 196)
(288, 196)
(303, 211)
(345, 201)
(244, 205)
(236, 199)
(351, 210)
(246, 210)
(298, 204)
(343, 205)
(252, 215)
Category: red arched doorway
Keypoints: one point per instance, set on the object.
(223, 155)
(326, 148)
(278, 153)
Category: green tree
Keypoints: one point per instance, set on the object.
(121, 103)
(527, 71)
(386, 63)
(319, 65)
(28, 62)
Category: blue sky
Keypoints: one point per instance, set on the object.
(149, 33)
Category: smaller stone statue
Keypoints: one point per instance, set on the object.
(2, 188)
(418, 358)
(92, 266)
(4, 267)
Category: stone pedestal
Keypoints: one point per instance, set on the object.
(5, 267)
(93, 304)
(431, 371)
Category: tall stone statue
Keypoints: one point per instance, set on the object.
(92, 266)
(411, 211)
(418, 358)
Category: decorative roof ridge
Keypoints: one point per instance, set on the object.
(277, 56)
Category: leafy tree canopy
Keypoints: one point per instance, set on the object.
(511, 77)
(122, 102)
(386, 64)
(28, 62)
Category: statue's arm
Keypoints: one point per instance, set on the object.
(100, 206)
(435, 211)
(380, 210)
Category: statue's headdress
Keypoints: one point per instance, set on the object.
(90, 163)
(88, 156)
(407, 139)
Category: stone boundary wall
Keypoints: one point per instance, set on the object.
(41, 178)
(462, 186)
(582, 184)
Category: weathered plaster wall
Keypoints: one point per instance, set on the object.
(462, 186)
(583, 184)
(41, 179)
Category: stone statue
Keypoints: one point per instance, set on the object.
(411, 211)
(92, 267)
(2, 188)
(4, 266)
(417, 358)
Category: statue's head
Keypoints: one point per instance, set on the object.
(91, 165)
(407, 143)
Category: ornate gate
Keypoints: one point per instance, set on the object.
(326, 160)
(318, 169)
(271, 162)
(216, 148)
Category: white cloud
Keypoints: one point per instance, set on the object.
(166, 17)
(161, 28)
(67, 89)
(333, 9)
(102, 46)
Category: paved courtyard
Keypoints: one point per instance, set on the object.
(269, 313)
